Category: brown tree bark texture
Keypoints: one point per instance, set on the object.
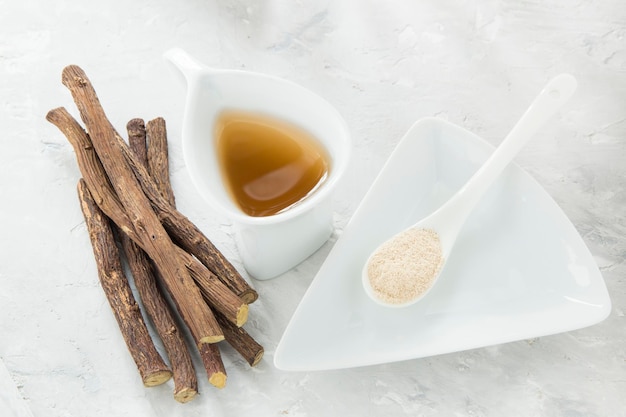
(150, 364)
(156, 241)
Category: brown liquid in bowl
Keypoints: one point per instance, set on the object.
(268, 165)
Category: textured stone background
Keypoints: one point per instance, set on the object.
(383, 64)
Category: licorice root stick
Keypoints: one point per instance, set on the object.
(213, 364)
(158, 158)
(241, 341)
(184, 375)
(152, 368)
(158, 167)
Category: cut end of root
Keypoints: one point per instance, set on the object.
(257, 357)
(242, 315)
(249, 296)
(185, 395)
(218, 380)
(157, 378)
(212, 339)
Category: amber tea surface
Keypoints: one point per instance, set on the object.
(268, 165)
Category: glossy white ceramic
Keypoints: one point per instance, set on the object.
(449, 219)
(519, 269)
(274, 244)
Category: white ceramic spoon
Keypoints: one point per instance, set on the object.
(448, 220)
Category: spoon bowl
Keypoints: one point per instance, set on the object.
(404, 269)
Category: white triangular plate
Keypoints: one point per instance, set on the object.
(519, 270)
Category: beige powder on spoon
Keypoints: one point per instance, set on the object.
(403, 268)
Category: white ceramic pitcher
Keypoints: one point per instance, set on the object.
(271, 245)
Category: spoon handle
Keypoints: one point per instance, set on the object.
(547, 103)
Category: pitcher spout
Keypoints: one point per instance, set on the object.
(187, 66)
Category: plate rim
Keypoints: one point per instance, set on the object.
(430, 123)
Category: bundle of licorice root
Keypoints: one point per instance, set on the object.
(181, 278)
